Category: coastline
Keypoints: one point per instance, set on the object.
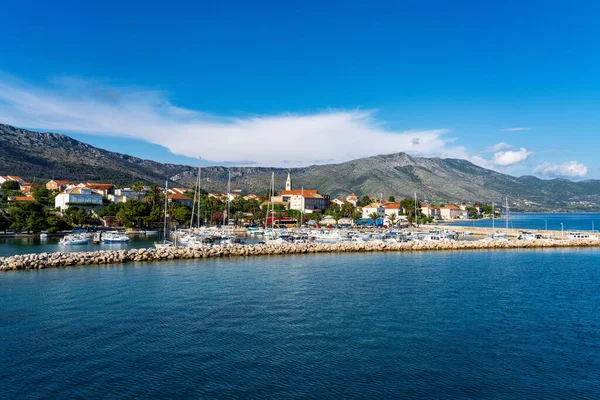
(70, 259)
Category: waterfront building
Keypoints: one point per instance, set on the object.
(450, 212)
(77, 196)
(389, 209)
(376, 208)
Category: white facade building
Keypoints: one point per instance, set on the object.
(377, 208)
(77, 195)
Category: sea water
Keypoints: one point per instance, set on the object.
(478, 324)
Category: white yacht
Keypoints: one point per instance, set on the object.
(115, 237)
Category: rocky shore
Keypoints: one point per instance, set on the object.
(58, 260)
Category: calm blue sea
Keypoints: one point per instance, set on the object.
(541, 221)
(488, 324)
(27, 245)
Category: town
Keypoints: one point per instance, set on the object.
(58, 205)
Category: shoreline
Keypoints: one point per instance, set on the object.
(100, 257)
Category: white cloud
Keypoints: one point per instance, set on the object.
(510, 157)
(571, 169)
(73, 105)
(501, 147)
(516, 129)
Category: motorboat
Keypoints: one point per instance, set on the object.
(115, 237)
(71, 240)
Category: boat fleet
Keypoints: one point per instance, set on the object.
(107, 237)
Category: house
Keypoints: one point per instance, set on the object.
(103, 189)
(6, 178)
(352, 199)
(340, 202)
(19, 199)
(125, 195)
(29, 187)
(252, 196)
(79, 196)
(450, 212)
(376, 208)
(307, 201)
(181, 199)
(57, 185)
(389, 209)
(180, 190)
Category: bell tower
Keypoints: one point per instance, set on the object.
(288, 182)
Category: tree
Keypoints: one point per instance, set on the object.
(4, 222)
(337, 215)
(55, 223)
(348, 209)
(473, 212)
(27, 216)
(134, 212)
(374, 217)
(391, 199)
(11, 185)
(181, 213)
(78, 216)
(365, 201)
(393, 218)
(138, 188)
(356, 215)
(408, 206)
(43, 196)
(154, 196)
(217, 217)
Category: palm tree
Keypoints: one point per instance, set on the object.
(393, 217)
(137, 187)
(374, 217)
(154, 195)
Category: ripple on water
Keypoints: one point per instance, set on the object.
(513, 324)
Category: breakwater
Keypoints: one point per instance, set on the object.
(60, 259)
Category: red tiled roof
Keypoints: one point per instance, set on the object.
(20, 198)
(98, 186)
(393, 206)
(178, 196)
(297, 192)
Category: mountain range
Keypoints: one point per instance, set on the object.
(46, 155)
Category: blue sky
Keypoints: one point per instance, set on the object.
(296, 83)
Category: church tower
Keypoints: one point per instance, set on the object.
(288, 182)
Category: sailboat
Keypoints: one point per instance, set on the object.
(165, 243)
(496, 235)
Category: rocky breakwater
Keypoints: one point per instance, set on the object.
(57, 260)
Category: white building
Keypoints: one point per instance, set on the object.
(307, 201)
(124, 195)
(389, 209)
(450, 212)
(75, 196)
(6, 178)
(377, 208)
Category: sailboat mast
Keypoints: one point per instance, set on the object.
(302, 206)
(228, 197)
(194, 203)
(199, 187)
(507, 214)
(493, 218)
(166, 203)
(272, 203)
